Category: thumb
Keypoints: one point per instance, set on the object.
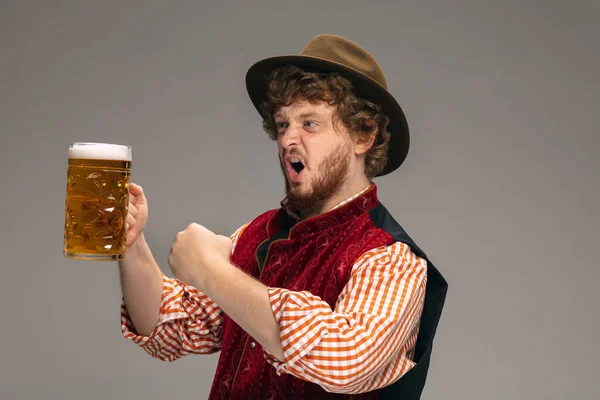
(138, 192)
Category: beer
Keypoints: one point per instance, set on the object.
(97, 201)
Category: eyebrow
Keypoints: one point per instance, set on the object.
(309, 114)
(301, 116)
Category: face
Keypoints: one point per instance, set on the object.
(314, 153)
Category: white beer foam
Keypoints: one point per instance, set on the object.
(100, 151)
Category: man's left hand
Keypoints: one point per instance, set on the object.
(195, 251)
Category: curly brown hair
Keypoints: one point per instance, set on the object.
(361, 117)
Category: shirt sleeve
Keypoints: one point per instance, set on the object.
(367, 341)
(189, 321)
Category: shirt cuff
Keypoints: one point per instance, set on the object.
(178, 302)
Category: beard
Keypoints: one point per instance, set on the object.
(332, 177)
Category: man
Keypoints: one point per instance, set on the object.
(326, 297)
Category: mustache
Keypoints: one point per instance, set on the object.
(292, 153)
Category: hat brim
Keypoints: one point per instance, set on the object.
(365, 87)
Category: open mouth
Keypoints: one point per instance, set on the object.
(297, 165)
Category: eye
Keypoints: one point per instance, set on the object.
(310, 124)
(281, 126)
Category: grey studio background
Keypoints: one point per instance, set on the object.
(500, 187)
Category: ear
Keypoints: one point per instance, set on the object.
(362, 143)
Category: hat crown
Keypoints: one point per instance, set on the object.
(345, 52)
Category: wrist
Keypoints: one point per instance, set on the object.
(215, 272)
(138, 246)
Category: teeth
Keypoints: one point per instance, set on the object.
(294, 160)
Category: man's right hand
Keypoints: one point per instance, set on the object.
(137, 214)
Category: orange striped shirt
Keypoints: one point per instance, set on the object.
(365, 343)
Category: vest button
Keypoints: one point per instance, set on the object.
(252, 345)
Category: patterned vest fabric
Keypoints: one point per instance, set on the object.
(315, 255)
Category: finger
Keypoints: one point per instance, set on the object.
(132, 199)
(130, 239)
(134, 188)
(133, 210)
(138, 192)
(132, 235)
(130, 220)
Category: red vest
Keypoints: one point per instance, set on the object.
(315, 255)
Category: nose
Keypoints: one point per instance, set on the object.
(291, 137)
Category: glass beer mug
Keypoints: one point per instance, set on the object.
(97, 201)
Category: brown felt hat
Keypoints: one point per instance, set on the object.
(331, 53)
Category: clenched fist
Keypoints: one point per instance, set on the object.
(195, 252)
